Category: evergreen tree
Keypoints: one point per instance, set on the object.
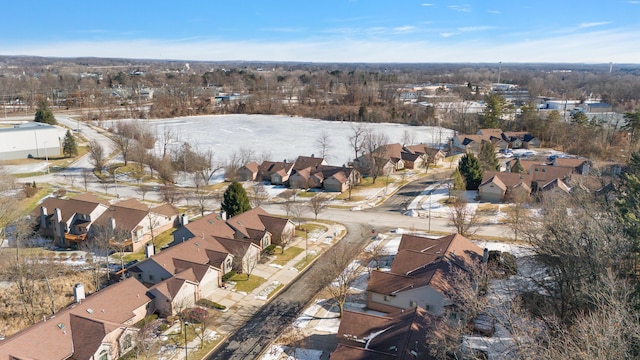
(517, 167)
(235, 200)
(495, 108)
(69, 145)
(487, 157)
(458, 183)
(44, 114)
(469, 167)
(628, 202)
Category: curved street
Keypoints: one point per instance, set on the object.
(250, 340)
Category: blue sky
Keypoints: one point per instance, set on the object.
(585, 31)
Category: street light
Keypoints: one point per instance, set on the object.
(115, 180)
(186, 349)
(46, 156)
(306, 243)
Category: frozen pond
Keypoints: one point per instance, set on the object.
(280, 137)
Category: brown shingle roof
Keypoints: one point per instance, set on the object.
(546, 173)
(252, 167)
(424, 261)
(81, 204)
(507, 180)
(400, 335)
(209, 225)
(303, 162)
(53, 338)
(248, 220)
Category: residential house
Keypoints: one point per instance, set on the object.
(100, 326)
(327, 177)
(303, 162)
(279, 228)
(214, 224)
(306, 178)
(248, 172)
(421, 273)
(339, 178)
(277, 173)
(67, 221)
(402, 335)
(581, 166)
(520, 140)
(526, 164)
(135, 222)
(435, 156)
(249, 226)
(176, 293)
(500, 186)
(543, 174)
(72, 220)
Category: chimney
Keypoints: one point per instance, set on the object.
(43, 217)
(149, 250)
(78, 293)
(485, 256)
(58, 230)
(184, 219)
(112, 224)
(223, 215)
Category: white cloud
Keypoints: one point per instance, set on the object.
(405, 29)
(461, 8)
(619, 46)
(494, 11)
(593, 24)
(426, 4)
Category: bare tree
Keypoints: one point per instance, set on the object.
(86, 174)
(356, 138)
(323, 144)
(463, 217)
(96, 155)
(8, 198)
(375, 254)
(297, 210)
(203, 199)
(318, 204)
(340, 272)
(260, 194)
(123, 139)
(237, 160)
(287, 206)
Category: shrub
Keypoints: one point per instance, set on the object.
(228, 275)
(195, 315)
(503, 263)
(211, 304)
(271, 249)
(29, 190)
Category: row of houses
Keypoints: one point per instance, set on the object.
(102, 325)
(70, 222)
(203, 251)
(414, 294)
(500, 139)
(557, 177)
(314, 172)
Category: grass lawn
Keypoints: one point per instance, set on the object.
(289, 253)
(247, 285)
(305, 262)
(306, 194)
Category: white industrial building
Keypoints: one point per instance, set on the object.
(31, 140)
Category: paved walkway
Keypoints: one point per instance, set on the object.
(241, 306)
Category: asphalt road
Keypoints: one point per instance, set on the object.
(250, 340)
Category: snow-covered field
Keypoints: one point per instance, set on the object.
(282, 137)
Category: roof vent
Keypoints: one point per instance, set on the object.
(61, 326)
(393, 348)
(90, 310)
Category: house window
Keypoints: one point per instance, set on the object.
(126, 342)
(412, 304)
(104, 355)
(150, 277)
(428, 307)
(386, 298)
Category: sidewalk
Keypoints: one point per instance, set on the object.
(241, 306)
